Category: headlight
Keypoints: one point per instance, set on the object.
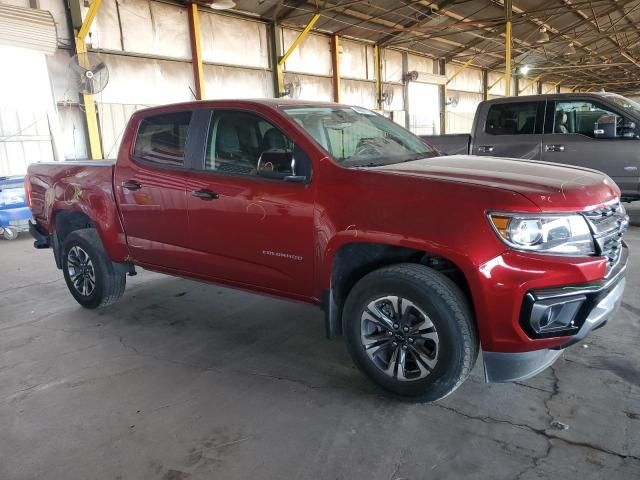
(558, 234)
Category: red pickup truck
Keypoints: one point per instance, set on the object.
(419, 260)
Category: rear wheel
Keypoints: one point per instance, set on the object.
(90, 275)
(410, 330)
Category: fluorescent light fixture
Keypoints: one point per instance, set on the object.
(222, 4)
(524, 70)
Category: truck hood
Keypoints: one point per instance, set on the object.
(548, 185)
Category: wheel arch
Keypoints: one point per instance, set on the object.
(354, 260)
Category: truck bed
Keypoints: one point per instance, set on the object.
(82, 189)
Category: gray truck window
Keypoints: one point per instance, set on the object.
(161, 138)
(588, 118)
(243, 143)
(512, 119)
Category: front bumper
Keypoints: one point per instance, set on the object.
(598, 303)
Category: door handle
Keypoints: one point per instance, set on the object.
(631, 169)
(204, 194)
(485, 148)
(131, 185)
(554, 148)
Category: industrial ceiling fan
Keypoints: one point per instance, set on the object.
(88, 73)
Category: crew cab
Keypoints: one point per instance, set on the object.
(594, 130)
(418, 259)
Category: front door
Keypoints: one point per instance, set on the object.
(511, 129)
(589, 134)
(250, 213)
(150, 188)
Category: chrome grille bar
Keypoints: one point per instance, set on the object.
(608, 225)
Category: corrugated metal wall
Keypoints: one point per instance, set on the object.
(145, 44)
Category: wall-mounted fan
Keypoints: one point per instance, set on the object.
(387, 96)
(292, 87)
(88, 73)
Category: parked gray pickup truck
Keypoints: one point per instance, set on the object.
(594, 130)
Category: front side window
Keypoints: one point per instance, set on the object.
(243, 143)
(161, 139)
(357, 137)
(512, 119)
(587, 118)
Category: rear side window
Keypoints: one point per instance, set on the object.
(161, 138)
(512, 119)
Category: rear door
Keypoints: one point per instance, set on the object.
(248, 223)
(588, 133)
(150, 187)
(510, 129)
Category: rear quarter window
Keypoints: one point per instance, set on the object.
(161, 139)
(512, 119)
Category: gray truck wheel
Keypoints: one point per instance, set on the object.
(410, 330)
(90, 275)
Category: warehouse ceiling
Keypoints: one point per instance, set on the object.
(589, 45)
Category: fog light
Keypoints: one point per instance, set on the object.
(555, 315)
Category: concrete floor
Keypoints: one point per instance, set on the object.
(181, 380)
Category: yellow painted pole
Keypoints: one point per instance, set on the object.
(520, 90)
(281, 61)
(196, 51)
(460, 70)
(335, 62)
(300, 38)
(496, 82)
(89, 104)
(378, 69)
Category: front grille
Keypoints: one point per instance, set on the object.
(608, 224)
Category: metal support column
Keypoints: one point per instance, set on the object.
(335, 64)
(485, 84)
(81, 30)
(378, 68)
(281, 60)
(507, 57)
(405, 89)
(275, 45)
(196, 52)
(443, 98)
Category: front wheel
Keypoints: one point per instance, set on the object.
(90, 275)
(410, 330)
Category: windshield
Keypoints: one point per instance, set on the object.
(357, 137)
(625, 103)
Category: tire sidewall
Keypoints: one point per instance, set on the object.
(77, 238)
(450, 365)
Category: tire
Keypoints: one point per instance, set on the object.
(434, 338)
(97, 283)
(10, 233)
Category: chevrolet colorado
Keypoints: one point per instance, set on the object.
(418, 260)
(594, 130)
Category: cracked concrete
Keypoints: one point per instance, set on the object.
(181, 380)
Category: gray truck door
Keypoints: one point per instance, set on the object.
(589, 134)
(510, 129)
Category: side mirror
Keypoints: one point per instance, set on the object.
(276, 163)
